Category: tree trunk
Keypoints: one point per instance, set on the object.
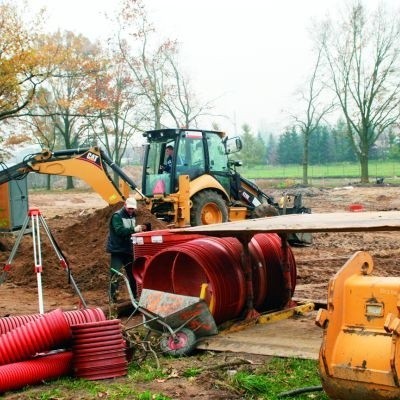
(305, 160)
(48, 182)
(364, 169)
(157, 115)
(70, 182)
(305, 173)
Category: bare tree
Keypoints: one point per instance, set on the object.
(147, 59)
(316, 108)
(362, 51)
(156, 71)
(181, 103)
(115, 115)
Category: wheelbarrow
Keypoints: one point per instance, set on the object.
(181, 320)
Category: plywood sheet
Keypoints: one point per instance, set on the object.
(297, 337)
(320, 222)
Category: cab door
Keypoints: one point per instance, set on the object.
(217, 159)
(190, 155)
(155, 181)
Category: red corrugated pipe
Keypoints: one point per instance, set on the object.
(41, 334)
(217, 262)
(34, 371)
(73, 317)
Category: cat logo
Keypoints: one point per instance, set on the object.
(92, 158)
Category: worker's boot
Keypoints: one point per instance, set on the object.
(112, 311)
(112, 302)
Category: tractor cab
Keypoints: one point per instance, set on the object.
(188, 179)
(195, 153)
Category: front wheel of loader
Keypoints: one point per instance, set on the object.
(181, 345)
(208, 208)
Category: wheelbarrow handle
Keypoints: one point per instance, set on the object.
(136, 305)
(131, 296)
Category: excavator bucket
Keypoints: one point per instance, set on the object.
(360, 356)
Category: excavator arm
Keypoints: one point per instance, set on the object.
(88, 164)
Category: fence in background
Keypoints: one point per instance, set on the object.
(280, 175)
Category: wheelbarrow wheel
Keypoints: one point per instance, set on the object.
(183, 343)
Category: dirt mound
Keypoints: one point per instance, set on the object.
(79, 223)
(82, 244)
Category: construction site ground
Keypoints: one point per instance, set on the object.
(78, 221)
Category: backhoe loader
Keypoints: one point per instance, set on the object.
(202, 186)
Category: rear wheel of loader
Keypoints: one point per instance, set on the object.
(208, 208)
(265, 210)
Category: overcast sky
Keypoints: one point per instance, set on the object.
(250, 55)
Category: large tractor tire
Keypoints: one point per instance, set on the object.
(208, 207)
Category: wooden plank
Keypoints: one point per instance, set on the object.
(320, 222)
(297, 337)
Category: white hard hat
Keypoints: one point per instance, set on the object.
(131, 202)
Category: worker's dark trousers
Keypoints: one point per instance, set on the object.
(119, 260)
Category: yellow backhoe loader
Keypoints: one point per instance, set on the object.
(202, 186)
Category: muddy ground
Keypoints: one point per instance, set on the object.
(79, 222)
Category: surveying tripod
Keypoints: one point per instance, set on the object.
(36, 218)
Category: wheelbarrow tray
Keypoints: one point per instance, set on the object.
(177, 311)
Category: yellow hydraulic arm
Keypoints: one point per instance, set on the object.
(87, 164)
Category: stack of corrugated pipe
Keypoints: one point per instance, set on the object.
(180, 264)
(147, 244)
(40, 347)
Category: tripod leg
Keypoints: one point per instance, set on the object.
(62, 260)
(7, 267)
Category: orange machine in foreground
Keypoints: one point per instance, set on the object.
(359, 357)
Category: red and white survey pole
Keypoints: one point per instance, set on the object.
(34, 214)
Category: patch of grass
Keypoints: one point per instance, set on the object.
(151, 396)
(93, 387)
(56, 388)
(145, 372)
(98, 389)
(333, 170)
(264, 381)
(390, 170)
(278, 376)
(86, 389)
(191, 372)
(45, 395)
(251, 384)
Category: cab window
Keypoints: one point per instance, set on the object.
(156, 181)
(216, 152)
(190, 156)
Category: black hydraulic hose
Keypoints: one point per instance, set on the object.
(104, 157)
(118, 170)
(17, 171)
(69, 152)
(295, 392)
